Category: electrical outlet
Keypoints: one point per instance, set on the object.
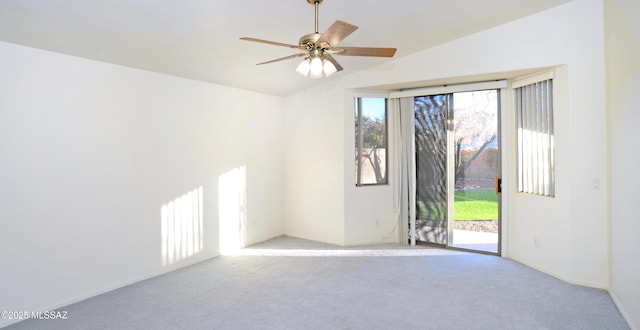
(536, 242)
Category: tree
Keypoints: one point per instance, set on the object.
(475, 123)
(373, 141)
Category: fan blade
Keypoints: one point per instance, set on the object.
(365, 51)
(334, 34)
(284, 58)
(333, 60)
(270, 42)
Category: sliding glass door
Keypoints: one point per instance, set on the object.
(457, 165)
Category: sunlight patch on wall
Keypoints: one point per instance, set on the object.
(232, 199)
(181, 227)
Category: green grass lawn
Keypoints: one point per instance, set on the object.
(475, 205)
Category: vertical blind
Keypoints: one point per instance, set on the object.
(536, 163)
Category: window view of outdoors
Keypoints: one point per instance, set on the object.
(476, 167)
(371, 141)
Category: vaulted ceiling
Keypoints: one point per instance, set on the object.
(198, 39)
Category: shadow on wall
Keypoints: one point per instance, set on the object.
(181, 227)
(232, 209)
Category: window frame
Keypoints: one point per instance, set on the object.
(358, 121)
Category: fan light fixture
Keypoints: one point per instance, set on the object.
(314, 66)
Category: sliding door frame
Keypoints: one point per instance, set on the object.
(503, 127)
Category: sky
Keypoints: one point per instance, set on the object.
(373, 108)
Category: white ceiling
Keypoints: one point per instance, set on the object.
(198, 39)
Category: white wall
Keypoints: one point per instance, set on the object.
(622, 33)
(92, 154)
(572, 227)
(323, 203)
(313, 165)
(371, 212)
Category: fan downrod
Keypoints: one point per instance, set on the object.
(308, 41)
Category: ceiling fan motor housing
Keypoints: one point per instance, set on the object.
(309, 41)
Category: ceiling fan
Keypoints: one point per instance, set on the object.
(320, 48)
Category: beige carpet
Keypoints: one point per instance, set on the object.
(289, 283)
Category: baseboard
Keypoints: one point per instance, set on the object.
(625, 315)
(314, 239)
(563, 278)
(381, 241)
(86, 296)
(250, 243)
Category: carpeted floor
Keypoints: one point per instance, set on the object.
(289, 283)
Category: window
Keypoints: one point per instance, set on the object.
(536, 161)
(371, 141)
